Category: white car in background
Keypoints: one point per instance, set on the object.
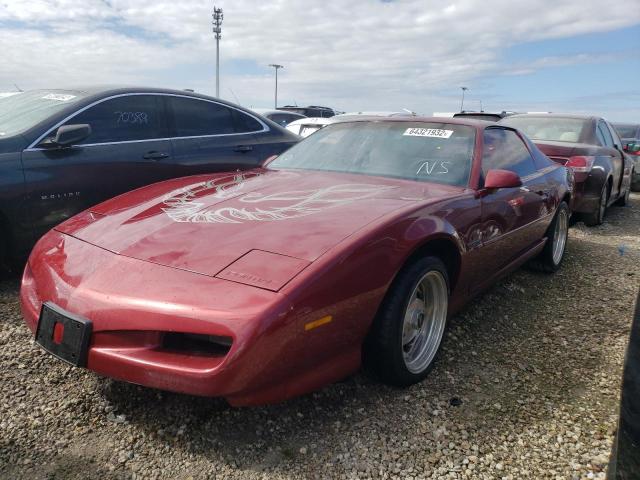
(281, 117)
(306, 126)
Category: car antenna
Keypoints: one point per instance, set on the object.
(234, 96)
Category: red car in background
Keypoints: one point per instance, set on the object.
(592, 149)
(355, 245)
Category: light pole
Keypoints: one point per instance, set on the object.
(217, 30)
(464, 89)
(277, 67)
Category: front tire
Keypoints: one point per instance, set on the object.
(552, 254)
(624, 200)
(408, 330)
(597, 217)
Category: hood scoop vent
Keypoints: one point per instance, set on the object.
(261, 269)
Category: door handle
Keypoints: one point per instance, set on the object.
(243, 148)
(543, 194)
(154, 155)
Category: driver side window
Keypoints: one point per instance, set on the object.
(121, 119)
(504, 150)
(604, 131)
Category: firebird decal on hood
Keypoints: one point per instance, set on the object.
(182, 207)
(222, 187)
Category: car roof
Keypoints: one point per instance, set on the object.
(577, 116)
(472, 122)
(110, 90)
(312, 121)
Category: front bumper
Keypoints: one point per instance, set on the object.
(118, 295)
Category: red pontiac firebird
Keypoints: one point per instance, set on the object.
(354, 245)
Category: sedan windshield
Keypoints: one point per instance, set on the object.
(432, 152)
(23, 110)
(555, 129)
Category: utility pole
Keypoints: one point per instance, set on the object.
(217, 30)
(464, 89)
(277, 67)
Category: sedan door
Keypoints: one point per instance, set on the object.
(512, 218)
(127, 148)
(617, 158)
(212, 137)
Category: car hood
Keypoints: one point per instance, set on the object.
(206, 223)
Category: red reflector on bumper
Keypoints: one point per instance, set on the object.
(58, 333)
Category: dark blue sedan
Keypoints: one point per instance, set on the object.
(62, 151)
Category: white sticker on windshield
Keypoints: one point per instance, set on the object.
(58, 96)
(428, 132)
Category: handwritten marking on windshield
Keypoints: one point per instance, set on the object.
(429, 168)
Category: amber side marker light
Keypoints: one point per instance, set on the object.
(318, 323)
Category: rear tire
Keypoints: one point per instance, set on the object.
(407, 333)
(550, 259)
(597, 217)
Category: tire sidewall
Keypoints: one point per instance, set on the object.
(391, 319)
(563, 206)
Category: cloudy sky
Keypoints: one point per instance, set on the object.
(537, 55)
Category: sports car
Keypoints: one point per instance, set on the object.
(356, 245)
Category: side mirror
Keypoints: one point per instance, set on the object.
(68, 135)
(502, 179)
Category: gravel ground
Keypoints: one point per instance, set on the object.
(527, 387)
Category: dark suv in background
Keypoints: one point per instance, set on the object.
(310, 111)
(62, 151)
(488, 116)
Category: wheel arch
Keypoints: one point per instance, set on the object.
(446, 249)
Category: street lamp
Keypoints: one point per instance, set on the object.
(277, 67)
(217, 30)
(464, 89)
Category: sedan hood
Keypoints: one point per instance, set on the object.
(206, 223)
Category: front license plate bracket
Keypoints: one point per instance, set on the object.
(64, 334)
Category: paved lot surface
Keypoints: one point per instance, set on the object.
(527, 387)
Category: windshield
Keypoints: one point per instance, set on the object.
(555, 129)
(25, 109)
(433, 152)
(626, 131)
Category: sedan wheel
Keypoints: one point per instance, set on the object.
(624, 200)
(407, 333)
